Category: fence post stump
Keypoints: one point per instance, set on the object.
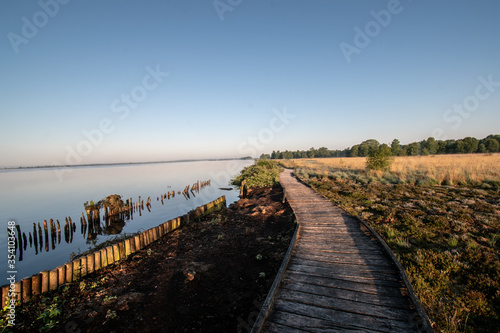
(53, 279)
(45, 281)
(26, 283)
(36, 284)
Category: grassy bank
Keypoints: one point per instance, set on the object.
(441, 216)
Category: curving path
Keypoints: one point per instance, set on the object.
(337, 277)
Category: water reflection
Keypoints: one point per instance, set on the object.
(104, 217)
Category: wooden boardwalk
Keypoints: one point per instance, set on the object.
(337, 276)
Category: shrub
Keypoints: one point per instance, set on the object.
(260, 174)
(380, 158)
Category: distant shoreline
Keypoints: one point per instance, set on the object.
(119, 163)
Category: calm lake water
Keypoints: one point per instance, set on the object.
(31, 196)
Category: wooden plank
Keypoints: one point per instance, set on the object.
(344, 318)
(345, 305)
(339, 283)
(325, 243)
(358, 296)
(286, 322)
(381, 265)
(378, 279)
(344, 252)
(306, 244)
(272, 327)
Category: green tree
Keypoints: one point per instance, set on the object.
(459, 147)
(354, 151)
(264, 157)
(431, 145)
(287, 155)
(470, 145)
(491, 145)
(413, 149)
(441, 147)
(323, 152)
(396, 147)
(367, 146)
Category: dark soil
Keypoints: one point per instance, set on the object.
(210, 276)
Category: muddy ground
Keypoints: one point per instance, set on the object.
(209, 276)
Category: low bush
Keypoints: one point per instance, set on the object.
(260, 174)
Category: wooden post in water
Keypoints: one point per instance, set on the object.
(46, 233)
(66, 231)
(58, 232)
(40, 236)
(20, 241)
(35, 238)
(25, 241)
(52, 234)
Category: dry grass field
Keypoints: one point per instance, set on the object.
(467, 169)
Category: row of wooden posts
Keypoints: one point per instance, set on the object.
(46, 281)
(90, 223)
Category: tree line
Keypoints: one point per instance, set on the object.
(431, 146)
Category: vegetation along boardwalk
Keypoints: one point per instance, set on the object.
(338, 275)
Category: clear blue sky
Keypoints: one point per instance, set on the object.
(69, 66)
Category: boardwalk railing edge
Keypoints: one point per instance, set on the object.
(266, 308)
(425, 324)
